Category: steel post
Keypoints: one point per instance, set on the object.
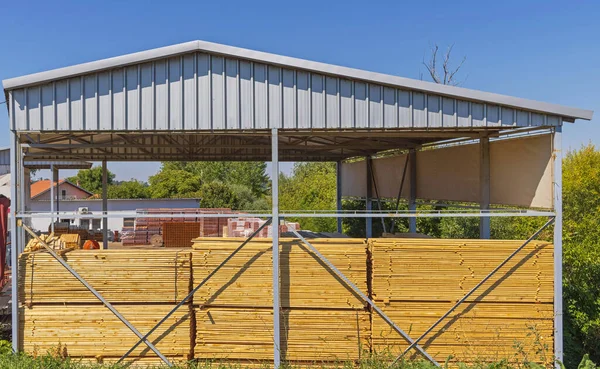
(97, 294)
(474, 289)
(558, 250)
(275, 227)
(338, 193)
(484, 185)
(14, 246)
(52, 199)
(369, 195)
(104, 205)
(412, 199)
(363, 296)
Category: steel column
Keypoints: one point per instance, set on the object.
(275, 227)
(55, 179)
(484, 185)
(52, 199)
(14, 249)
(558, 249)
(363, 296)
(338, 193)
(369, 195)
(412, 200)
(189, 296)
(104, 205)
(474, 289)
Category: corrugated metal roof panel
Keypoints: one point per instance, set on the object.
(177, 88)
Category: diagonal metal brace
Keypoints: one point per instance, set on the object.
(189, 296)
(465, 297)
(97, 294)
(364, 297)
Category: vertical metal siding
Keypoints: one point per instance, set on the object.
(199, 91)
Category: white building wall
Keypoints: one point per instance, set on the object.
(114, 205)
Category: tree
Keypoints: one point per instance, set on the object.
(132, 189)
(174, 183)
(250, 174)
(91, 179)
(311, 186)
(581, 254)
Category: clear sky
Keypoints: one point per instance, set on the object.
(542, 50)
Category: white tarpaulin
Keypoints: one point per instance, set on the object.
(520, 173)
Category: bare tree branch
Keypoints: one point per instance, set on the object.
(449, 73)
(431, 66)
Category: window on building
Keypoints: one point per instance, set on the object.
(63, 194)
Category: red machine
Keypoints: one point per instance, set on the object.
(4, 206)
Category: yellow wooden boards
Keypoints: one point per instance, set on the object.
(474, 332)
(92, 330)
(246, 280)
(415, 281)
(445, 270)
(308, 335)
(121, 276)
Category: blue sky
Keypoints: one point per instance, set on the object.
(541, 50)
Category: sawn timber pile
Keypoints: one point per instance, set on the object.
(414, 281)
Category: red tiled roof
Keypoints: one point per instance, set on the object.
(41, 186)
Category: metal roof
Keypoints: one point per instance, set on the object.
(305, 65)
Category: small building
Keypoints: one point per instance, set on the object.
(66, 190)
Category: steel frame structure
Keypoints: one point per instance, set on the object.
(57, 152)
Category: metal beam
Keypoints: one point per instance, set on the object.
(412, 199)
(338, 193)
(14, 249)
(558, 249)
(52, 199)
(363, 296)
(192, 292)
(473, 290)
(310, 214)
(484, 185)
(104, 206)
(275, 227)
(368, 197)
(95, 293)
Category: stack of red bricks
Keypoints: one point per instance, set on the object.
(244, 227)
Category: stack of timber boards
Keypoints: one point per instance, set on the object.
(321, 320)
(58, 309)
(416, 281)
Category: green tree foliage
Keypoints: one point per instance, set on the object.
(581, 237)
(174, 183)
(132, 189)
(250, 174)
(91, 179)
(311, 186)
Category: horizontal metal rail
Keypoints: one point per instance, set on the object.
(189, 296)
(309, 214)
(108, 305)
(364, 297)
(473, 290)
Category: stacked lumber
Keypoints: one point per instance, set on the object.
(92, 331)
(322, 319)
(307, 335)
(121, 276)
(418, 280)
(65, 241)
(246, 280)
(180, 234)
(244, 227)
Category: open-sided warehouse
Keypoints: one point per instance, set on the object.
(201, 101)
